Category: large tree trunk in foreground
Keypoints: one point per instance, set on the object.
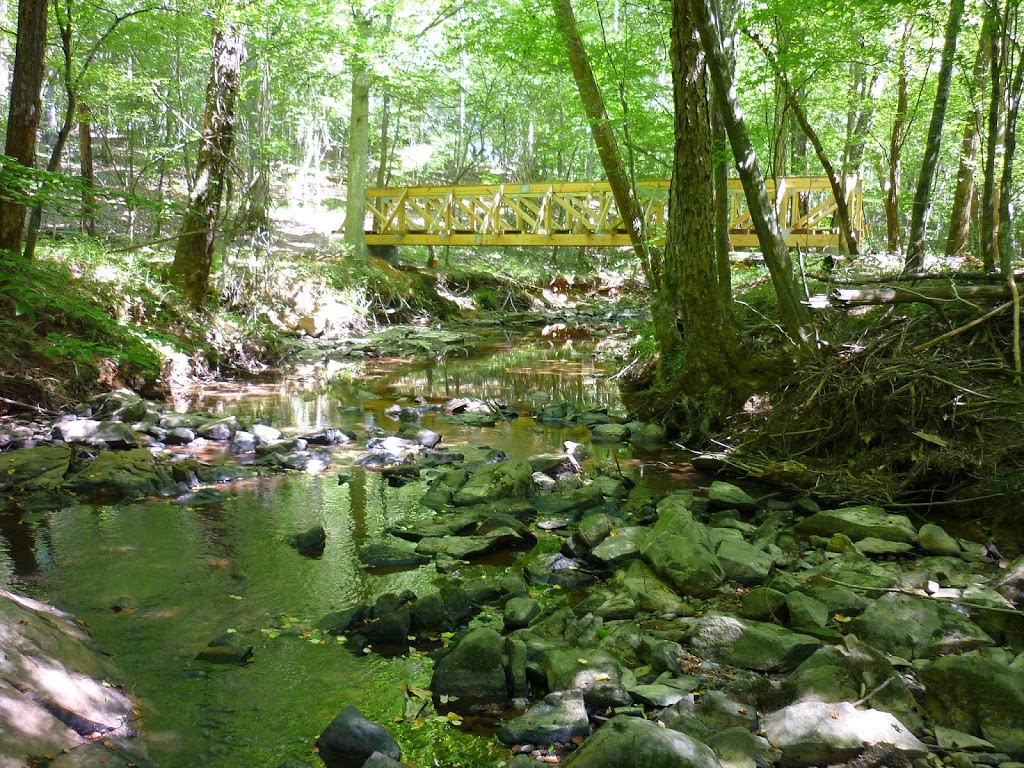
(193, 258)
(708, 335)
(923, 193)
(795, 317)
(24, 112)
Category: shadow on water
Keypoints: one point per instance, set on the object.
(156, 581)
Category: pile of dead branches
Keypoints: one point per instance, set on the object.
(917, 407)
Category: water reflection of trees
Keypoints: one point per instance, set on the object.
(515, 376)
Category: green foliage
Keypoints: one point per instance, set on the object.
(58, 323)
(487, 299)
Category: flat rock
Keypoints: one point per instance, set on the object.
(560, 717)
(751, 644)
(916, 628)
(819, 733)
(859, 523)
(722, 495)
(744, 562)
(630, 742)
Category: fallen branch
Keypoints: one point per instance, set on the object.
(957, 331)
(912, 593)
(28, 407)
(861, 297)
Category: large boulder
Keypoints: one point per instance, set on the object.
(36, 474)
(916, 628)
(859, 523)
(751, 644)
(678, 549)
(350, 739)
(120, 474)
(473, 669)
(843, 672)
(561, 717)
(629, 742)
(648, 592)
(744, 562)
(511, 479)
(977, 695)
(819, 733)
(58, 692)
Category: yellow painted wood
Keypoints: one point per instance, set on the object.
(584, 214)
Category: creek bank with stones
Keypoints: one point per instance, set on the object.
(704, 629)
(755, 631)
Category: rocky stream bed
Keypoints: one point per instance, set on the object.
(580, 617)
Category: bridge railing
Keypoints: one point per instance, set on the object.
(584, 213)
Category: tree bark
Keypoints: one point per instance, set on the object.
(1013, 95)
(193, 257)
(723, 210)
(604, 139)
(994, 147)
(796, 319)
(896, 139)
(708, 335)
(960, 214)
(85, 162)
(358, 154)
(23, 114)
(923, 193)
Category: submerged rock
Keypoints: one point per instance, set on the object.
(309, 543)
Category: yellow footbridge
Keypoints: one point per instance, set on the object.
(584, 214)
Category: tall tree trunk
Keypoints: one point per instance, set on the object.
(923, 193)
(896, 139)
(358, 154)
(726, 15)
(384, 163)
(996, 136)
(1013, 96)
(604, 137)
(838, 191)
(664, 308)
(960, 215)
(23, 114)
(193, 257)
(708, 334)
(795, 317)
(88, 174)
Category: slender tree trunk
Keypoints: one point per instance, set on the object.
(88, 174)
(923, 193)
(23, 114)
(1013, 96)
(193, 258)
(384, 163)
(708, 334)
(358, 155)
(994, 147)
(604, 138)
(795, 316)
(960, 215)
(896, 139)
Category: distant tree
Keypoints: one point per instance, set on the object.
(193, 257)
(923, 193)
(23, 116)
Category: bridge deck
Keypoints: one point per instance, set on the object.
(584, 213)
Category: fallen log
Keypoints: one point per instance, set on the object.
(939, 294)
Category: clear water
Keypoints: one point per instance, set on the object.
(156, 581)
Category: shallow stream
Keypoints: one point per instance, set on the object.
(156, 581)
